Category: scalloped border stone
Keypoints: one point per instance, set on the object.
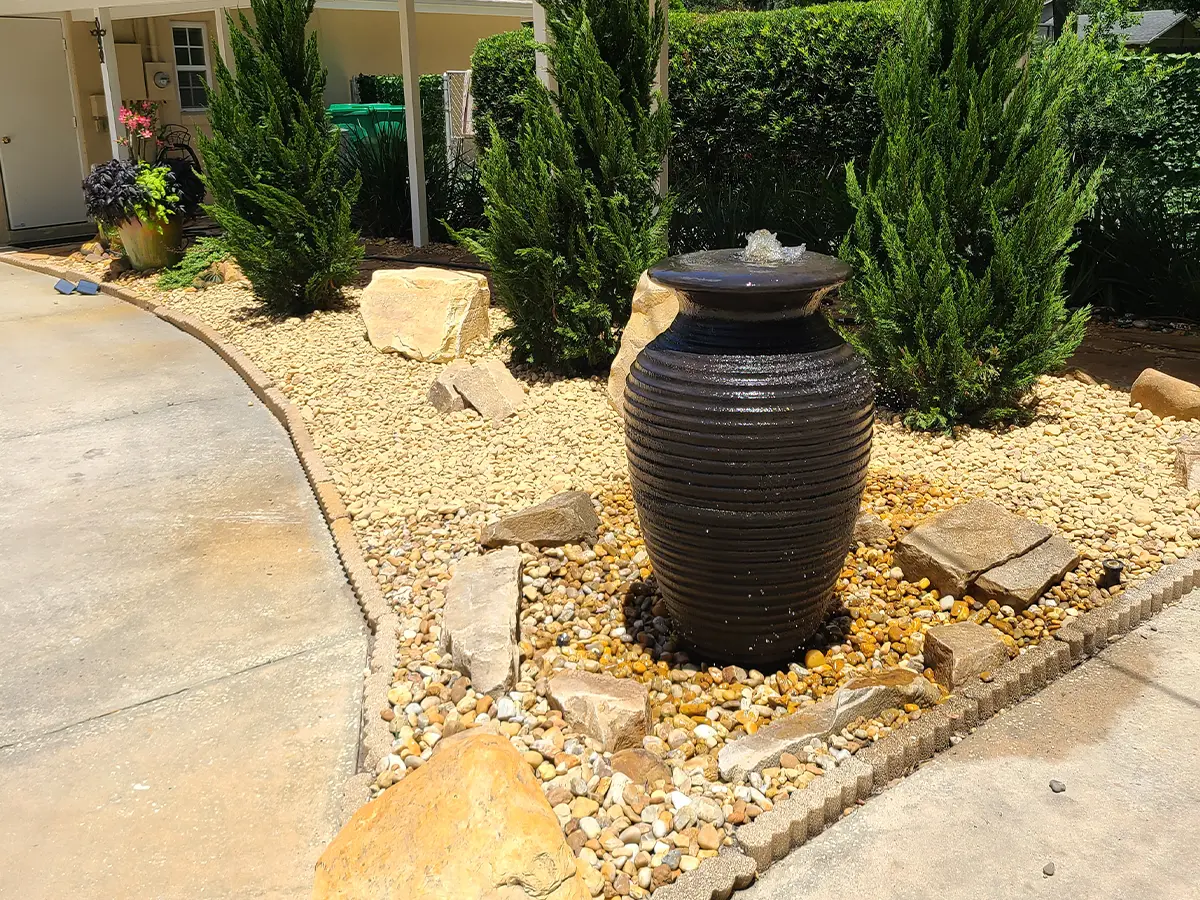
(375, 737)
(805, 814)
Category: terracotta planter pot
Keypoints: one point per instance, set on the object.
(150, 248)
(748, 429)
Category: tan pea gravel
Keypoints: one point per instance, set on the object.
(419, 486)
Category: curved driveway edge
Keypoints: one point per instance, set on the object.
(182, 702)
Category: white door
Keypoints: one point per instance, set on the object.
(39, 151)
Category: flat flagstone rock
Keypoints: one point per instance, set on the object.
(613, 711)
(479, 624)
(641, 767)
(960, 652)
(490, 388)
(443, 394)
(952, 548)
(426, 314)
(655, 307)
(864, 697)
(870, 695)
(737, 759)
(1187, 463)
(1021, 581)
(871, 530)
(566, 518)
(470, 823)
(1165, 395)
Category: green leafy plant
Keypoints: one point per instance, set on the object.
(278, 186)
(965, 220)
(200, 257)
(573, 214)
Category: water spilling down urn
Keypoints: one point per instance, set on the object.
(748, 430)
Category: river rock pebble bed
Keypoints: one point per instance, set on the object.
(420, 486)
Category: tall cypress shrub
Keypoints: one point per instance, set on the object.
(964, 222)
(573, 216)
(272, 163)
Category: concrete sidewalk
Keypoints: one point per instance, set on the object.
(182, 657)
(1122, 732)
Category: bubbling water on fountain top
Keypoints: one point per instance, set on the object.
(763, 249)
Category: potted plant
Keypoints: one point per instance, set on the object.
(144, 201)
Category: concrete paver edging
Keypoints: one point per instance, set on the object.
(384, 625)
(802, 815)
(807, 813)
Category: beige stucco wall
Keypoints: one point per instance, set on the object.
(355, 41)
(351, 42)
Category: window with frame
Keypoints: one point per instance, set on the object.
(191, 64)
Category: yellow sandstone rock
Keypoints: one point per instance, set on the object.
(471, 824)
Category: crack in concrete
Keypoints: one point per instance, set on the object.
(216, 679)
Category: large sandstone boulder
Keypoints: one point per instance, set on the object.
(471, 824)
(426, 314)
(613, 711)
(962, 651)
(1165, 396)
(490, 389)
(952, 548)
(479, 623)
(1020, 581)
(566, 518)
(654, 309)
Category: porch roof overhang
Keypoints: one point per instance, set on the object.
(132, 9)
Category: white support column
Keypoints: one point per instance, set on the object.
(412, 122)
(112, 81)
(222, 36)
(660, 77)
(539, 34)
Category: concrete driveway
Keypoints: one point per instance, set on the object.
(181, 658)
(980, 822)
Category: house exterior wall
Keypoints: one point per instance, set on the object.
(1183, 38)
(357, 42)
(351, 42)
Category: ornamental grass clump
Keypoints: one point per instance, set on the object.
(965, 219)
(573, 213)
(278, 187)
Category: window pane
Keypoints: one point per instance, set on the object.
(197, 56)
(181, 56)
(179, 36)
(196, 37)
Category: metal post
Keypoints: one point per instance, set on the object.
(412, 121)
(111, 78)
(660, 78)
(539, 34)
(222, 35)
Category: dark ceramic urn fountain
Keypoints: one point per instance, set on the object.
(748, 429)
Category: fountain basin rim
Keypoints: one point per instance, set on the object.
(725, 271)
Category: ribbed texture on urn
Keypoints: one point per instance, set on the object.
(748, 444)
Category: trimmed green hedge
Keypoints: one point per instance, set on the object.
(767, 109)
(502, 66)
